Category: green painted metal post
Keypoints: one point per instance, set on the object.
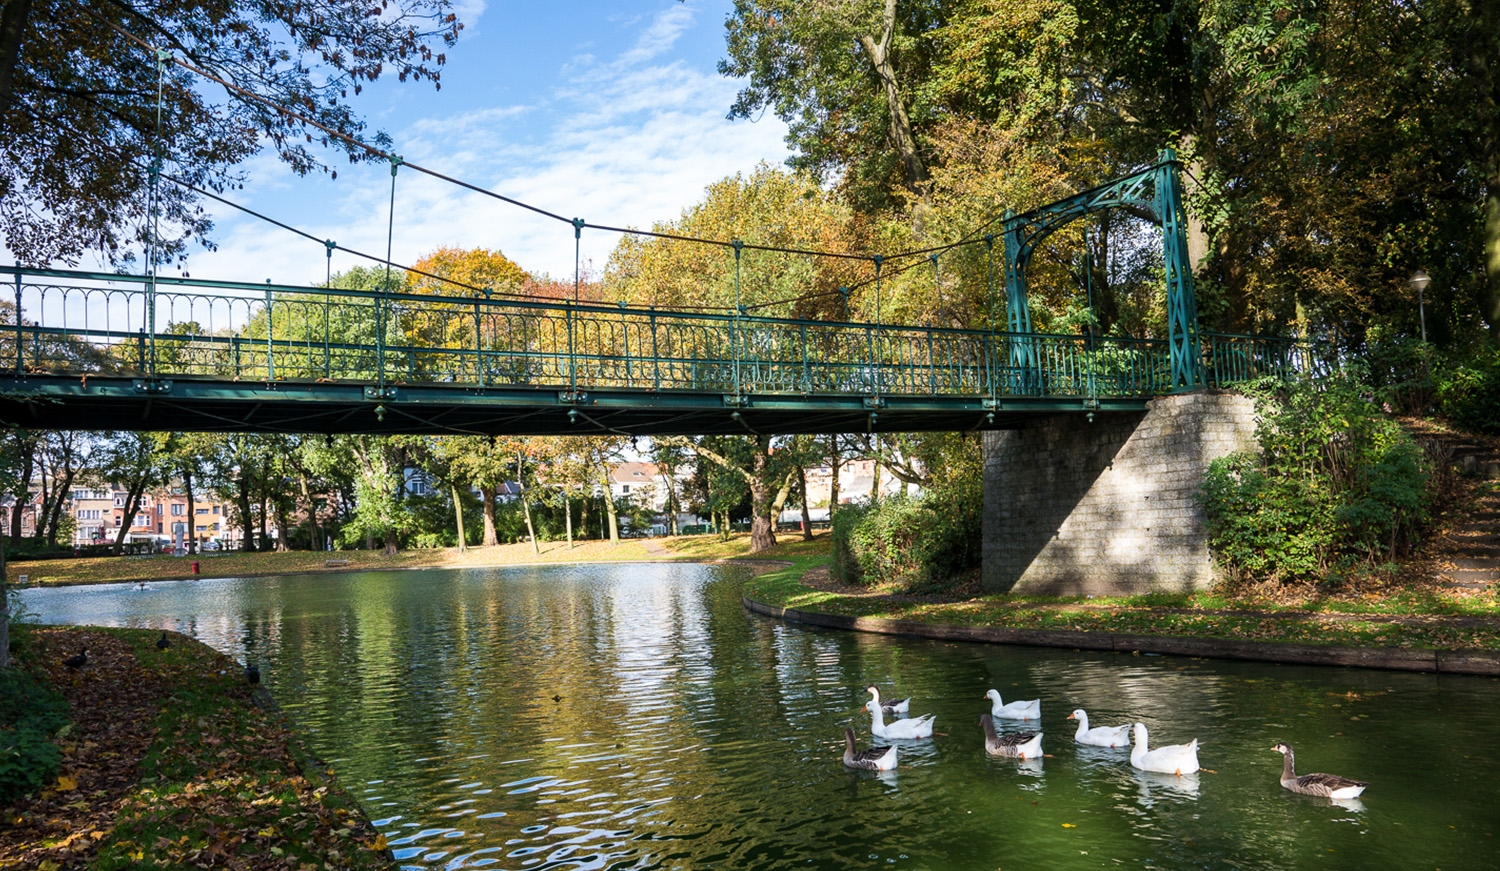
(270, 360)
(328, 246)
(655, 357)
(479, 346)
(989, 339)
(1023, 351)
(1182, 305)
(385, 289)
(734, 328)
(19, 357)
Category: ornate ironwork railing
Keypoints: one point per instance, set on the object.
(84, 324)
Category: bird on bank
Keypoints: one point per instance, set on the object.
(1178, 759)
(1325, 785)
(1020, 745)
(918, 727)
(1027, 710)
(78, 660)
(870, 758)
(890, 707)
(162, 643)
(252, 674)
(1099, 736)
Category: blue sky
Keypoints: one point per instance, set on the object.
(609, 111)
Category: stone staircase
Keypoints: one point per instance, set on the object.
(1468, 553)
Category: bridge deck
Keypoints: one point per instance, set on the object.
(89, 351)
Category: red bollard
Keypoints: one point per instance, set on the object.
(195, 567)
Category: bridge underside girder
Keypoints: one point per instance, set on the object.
(188, 405)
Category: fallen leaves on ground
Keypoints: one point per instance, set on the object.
(171, 762)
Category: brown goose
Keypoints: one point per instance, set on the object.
(1023, 745)
(1325, 785)
(872, 758)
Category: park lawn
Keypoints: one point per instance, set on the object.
(219, 564)
(172, 761)
(1404, 615)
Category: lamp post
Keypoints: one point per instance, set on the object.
(1419, 281)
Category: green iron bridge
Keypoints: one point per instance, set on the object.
(83, 350)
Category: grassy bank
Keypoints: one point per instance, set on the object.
(172, 760)
(1399, 611)
(1397, 615)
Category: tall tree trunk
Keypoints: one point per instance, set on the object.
(54, 520)
(12, 34)
(283, 544)
(191, 527)
(762, 533)
(23, 491)
(487, 493)
(392, 543)
(834, 461)
(261, 542)
(530, 529)
(1484, 71)
(875, 481)
(806, 508)
(315, 538)
(458, 517)
(609, 505)
(671, 479)
(568, 515)
(247, 520)
(4, 613)
(901, 135)
(132, 507)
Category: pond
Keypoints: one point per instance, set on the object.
(636, 716)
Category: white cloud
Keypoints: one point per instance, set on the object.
(623, 142)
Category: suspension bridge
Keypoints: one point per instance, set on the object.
(86, 350)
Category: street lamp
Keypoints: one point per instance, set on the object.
(1419, 281)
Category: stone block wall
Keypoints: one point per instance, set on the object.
(1109, 507)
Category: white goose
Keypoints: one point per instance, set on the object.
(889, 706)
(1027, 710)
(1023, 745)
(1099, 736)
(1326, 785)
(1176, 759)
(918, 727)
(870, 758)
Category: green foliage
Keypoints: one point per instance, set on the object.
(30, 713)
(1335, 483)
(1468, 391)
(917, 542)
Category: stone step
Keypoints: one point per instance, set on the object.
(1471, 564)
(1478, 550)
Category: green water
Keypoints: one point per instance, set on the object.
(691, 734)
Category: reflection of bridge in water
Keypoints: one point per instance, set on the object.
(93, 351)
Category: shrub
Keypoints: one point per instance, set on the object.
(1335, 482)
(920, 542)
(1469, 392)
(30, 713)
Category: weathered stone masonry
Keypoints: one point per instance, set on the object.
(1109, 507)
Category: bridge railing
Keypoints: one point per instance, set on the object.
(1231, 359)
(87, 323)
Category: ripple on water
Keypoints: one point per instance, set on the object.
(686, 733)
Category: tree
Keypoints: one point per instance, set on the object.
(847, 77)
(768, 474)
(79, 107)
(133, 461)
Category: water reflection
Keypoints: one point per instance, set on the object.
(638, 717)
